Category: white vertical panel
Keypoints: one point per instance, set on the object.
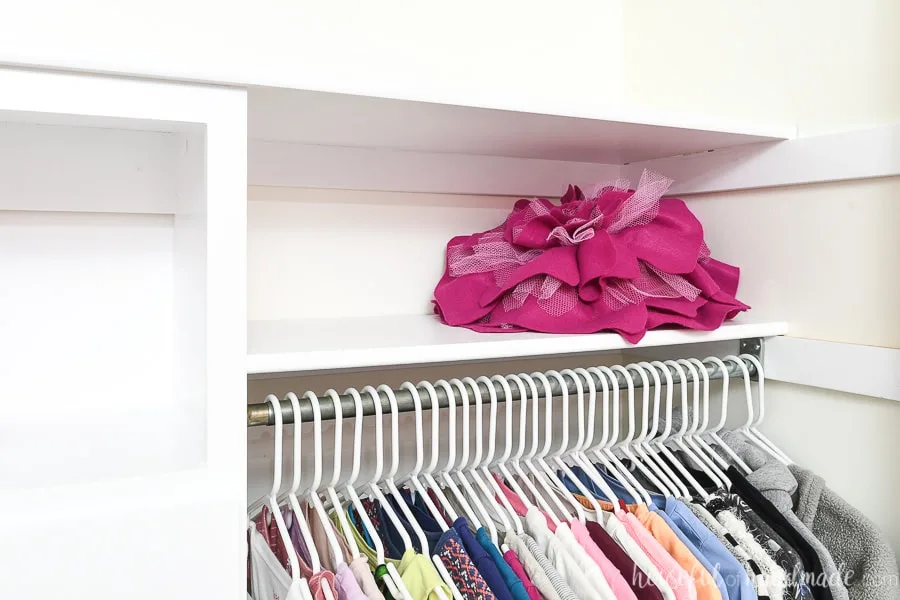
(852, 368)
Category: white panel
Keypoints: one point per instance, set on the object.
(299, 165)
(146, 537)
(499, 54)
(858, 154)
(330, 253)
(87, 329)
(605, 134)
(863, 370)
(314, 345)
(66, 168)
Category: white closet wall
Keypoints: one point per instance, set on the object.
(822, 257)
(824, 65)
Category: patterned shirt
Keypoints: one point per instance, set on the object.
(462, 570)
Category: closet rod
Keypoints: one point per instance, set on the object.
(262, 414)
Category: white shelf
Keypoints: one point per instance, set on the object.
(309, 345)
(608, 135)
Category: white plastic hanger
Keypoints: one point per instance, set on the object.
(460, 467)
(413, 479)
(398, 498)
(660, 443)
(379, 496)
(580, 442)
(547, 452)
(713, 433)
(700, 424)
(692, 422)
(676, 486)
(640, 456)
(748, 393)
(601, 451)
(313, 496)
(489, 492)
(678, 437)
(350, 492)
(502, 463)
(539, 499)
(489, 456)
(299, 513)
(389, 482)
(444, 473)
(331, 490)
(428, 471)
(615, 466)
(299, 587)
(761, 387)
(533, 460)
(624, 445)
(578, 455)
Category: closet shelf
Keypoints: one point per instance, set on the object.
(309, 345)
(613, 135)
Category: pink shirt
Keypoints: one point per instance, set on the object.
(518, 504)
(678, 579)
(513, 561)
(614, 578)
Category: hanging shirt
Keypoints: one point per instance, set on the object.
(516, 565)
(346, 585)
(703, 581)
(362, 543)
(614, 523)
(757, 573)
(518, 504)
(316, 581)
(672, 573)
(482, 560)
(462, 570)
(575, 571)
(734, 579)
(777, 521)
(641, 585)
(268, 579)
(363, 575)
(539, 567)
(421, 578)
(512, 580)
(617, 583)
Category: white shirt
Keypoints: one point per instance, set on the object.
(560, 553)
(268, 579)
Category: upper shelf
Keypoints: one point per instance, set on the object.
(608, 135)
(352, 343)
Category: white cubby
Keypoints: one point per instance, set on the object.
(122, 337)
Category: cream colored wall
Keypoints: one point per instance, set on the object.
(823, 64)
(824, 259)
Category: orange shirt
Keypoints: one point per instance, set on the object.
(703, 581)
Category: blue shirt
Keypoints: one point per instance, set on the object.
(735, 577)
(482, 560)
(512, 580)
(686, 530)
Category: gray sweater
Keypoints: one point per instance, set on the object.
(851, 548)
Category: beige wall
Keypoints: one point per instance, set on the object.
(823, 64)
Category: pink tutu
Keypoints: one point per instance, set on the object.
(623, 261)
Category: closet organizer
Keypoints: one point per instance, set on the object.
(152, 312)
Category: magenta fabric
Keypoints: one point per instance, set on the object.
(513, 561)
(621, 260)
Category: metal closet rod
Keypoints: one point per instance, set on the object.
(263, 414)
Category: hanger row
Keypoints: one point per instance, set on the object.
(263, 413)
(543, 446)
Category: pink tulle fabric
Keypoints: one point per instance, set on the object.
(620, 260)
